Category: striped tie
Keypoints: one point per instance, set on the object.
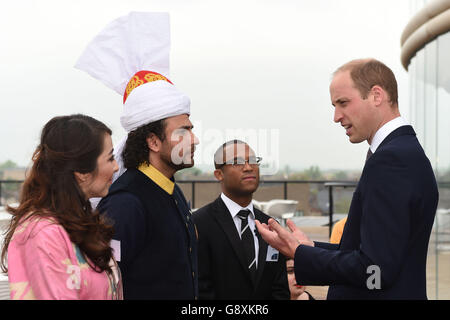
(248, 242)
(369, 154)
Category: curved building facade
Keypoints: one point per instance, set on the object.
(425, 54)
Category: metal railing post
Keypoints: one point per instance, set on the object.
(330, 209)
(193, 194)
(330, 185)
(285, 190)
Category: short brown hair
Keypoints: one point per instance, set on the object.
(367, 73)
(219, 155)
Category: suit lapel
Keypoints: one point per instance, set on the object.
(225, 220)
(262, 249)
(400, 131)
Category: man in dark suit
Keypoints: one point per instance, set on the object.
(383, 250)
(155, 237)
(233, 261)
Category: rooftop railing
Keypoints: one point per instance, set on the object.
(328, 208)
(6, 190)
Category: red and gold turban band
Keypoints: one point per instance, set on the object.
(140, 78)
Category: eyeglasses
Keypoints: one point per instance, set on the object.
(240, 162)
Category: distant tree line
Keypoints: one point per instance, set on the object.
(8, 164)
(286, 173)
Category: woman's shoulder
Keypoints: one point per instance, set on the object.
(37, 226)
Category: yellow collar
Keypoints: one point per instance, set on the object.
(161, 180)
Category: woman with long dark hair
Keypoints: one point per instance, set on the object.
(57, 246)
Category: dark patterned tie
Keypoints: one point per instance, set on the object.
(248, 242)
(369, 154)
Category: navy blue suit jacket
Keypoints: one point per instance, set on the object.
(388, 226)
(158, 257)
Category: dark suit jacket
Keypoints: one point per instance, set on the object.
(388, 225)
(157, 238)
(223, 272)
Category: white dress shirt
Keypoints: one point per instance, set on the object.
(385, 130)
(234, 208)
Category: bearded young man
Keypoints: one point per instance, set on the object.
(154, 241)
(152, 221)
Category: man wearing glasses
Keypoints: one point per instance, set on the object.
(234, 261)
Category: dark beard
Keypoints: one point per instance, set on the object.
(168, 162)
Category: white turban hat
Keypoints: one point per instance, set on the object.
(130, 50)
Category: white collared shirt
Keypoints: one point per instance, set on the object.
(385, 130)
(234, 208)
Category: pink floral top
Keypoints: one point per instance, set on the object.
(44, 264)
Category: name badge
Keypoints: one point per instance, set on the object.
(272, 254)
(115, 245)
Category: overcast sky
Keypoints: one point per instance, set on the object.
(258, 65)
